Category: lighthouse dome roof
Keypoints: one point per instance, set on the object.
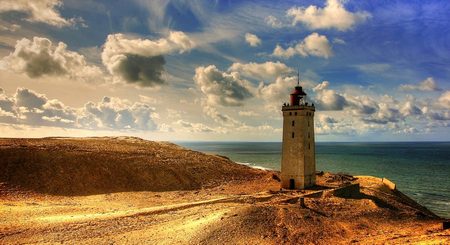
(298, 90)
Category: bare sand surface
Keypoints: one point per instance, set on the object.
(229, 205)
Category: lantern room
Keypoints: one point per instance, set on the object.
(298, 96)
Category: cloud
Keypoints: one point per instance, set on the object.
(339, 41)
(426, 85)
(211, 111)
(248, 113)
(36, 109)
(364, 113)
(39, 57)
(384, 115)
(312, 45)
(262, 71)
(31, 108)
(149, 100)
(7, 112)
(141, 61)
(257, 129)
(273, 21)
(115, 113)
(437, 115)
(194, 127)
(222, 88)
(44, 11)
(326, 125)
(365, 108)
(9, 27)
(278, 91)
(176, 41)
(328, 99)
(362, 105)
(373, 67)
(444, 99)
(410, 109)
(145, 71)
(252, 39)
(333, 15)
(326, 119)
(385, 110)
(29, 99)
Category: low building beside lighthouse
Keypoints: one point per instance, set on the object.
(298, 162)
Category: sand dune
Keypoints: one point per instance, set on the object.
(140, 192)
(70, 166)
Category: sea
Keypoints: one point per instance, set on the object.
(420, 169)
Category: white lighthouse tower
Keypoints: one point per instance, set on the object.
(298, 161)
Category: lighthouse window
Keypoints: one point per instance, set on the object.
(296, 113)
(293, 123)
(308, 135)
(292, 134)
(309, 146)
(290, 113)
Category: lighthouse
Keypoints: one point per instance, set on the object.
(298, 162)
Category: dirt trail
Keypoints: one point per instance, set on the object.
(208, 217)
(64, 220)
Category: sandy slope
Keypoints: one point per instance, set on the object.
(247, 210)
(85, 166)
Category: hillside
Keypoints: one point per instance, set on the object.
(84, 166)
(131, 191)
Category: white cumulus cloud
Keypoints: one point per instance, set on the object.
(222, 88)
(444, 99)
(252, 39)
(263, 71)
(44, 11)
(116, 113)
(28, 107)
(312, 45)
(333, 15)
(426, 85)
(277, 91)
(328, 99)
(39, 57)
(141, 61)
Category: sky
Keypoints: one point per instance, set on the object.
(220, 70)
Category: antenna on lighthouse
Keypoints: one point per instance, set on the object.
(298, 77)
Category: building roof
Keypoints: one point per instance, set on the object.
(298, 90)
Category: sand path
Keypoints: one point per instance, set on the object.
(105, 218)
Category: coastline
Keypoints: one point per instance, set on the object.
(402, 162)
(255, 166)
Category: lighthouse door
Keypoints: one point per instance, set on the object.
(291, 184)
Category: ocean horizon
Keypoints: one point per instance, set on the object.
(420, 169)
